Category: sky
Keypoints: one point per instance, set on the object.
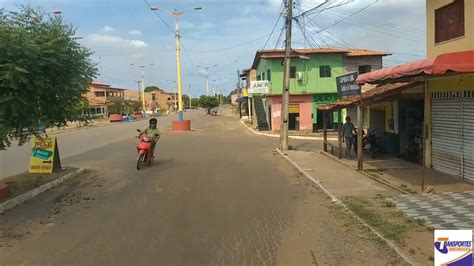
(124, 34)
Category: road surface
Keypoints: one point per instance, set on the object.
(216, 196)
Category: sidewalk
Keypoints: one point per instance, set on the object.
(340, 181)
(405, 175)
(292, 134)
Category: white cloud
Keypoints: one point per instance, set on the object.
(135, 32)
(139, 44)
(108, 29)
(99, 39)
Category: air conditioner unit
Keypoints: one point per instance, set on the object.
(299, 76)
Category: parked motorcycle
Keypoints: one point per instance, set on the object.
(145, 155)
(370, 144)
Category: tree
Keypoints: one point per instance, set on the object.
(44, 74)
(151, 89)
(208, 102)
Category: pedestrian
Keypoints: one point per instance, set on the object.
(348, 132)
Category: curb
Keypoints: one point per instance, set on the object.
(337, 201)
(277, 136)
(12, 203)
(383, 182)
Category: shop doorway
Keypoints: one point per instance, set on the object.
(411, 128)
(294, 121)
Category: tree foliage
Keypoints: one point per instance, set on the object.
(151, 89)
(208, 102)
(44, 74)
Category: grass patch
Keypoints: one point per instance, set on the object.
(383, 216)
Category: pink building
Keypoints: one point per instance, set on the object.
(300, 112)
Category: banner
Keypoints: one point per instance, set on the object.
(44, 156)
(259, 87)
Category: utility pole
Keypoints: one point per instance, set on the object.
(286, 84)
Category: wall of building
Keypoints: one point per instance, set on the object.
(312, 83)
(305, 102)
(352, 63)
(456, 45)
(456, 83)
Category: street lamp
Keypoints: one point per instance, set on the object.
(142, 68)
(206, 68)
(176, 13)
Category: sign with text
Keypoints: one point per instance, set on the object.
(259, 86)
(44, 155)
(347, 86)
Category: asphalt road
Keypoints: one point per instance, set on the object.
(216, 196)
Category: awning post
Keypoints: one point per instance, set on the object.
(360, 125)
(339, 132)
(325, 130)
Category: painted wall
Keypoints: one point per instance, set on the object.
(457, 83)
(312, 83)
(352, 63)
(459, 44)
(305, 102)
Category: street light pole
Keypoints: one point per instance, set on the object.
(143, 89)
(176, 14)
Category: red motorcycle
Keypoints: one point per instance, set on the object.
(145, 154)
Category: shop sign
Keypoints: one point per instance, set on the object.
(294, 108)
(259, 87)
(347, 86)
(44, 155)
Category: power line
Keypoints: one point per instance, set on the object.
(158, 15)
(352, 14)
(274, 27)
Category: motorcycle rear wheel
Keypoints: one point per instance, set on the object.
(140, 160)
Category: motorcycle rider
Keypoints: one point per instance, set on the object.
(152, 131)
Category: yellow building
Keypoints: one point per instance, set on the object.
(450, 26)
(449, 100)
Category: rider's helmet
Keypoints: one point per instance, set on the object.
(153, 122)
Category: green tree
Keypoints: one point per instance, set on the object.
(208, 102)
(44, 74)
(151, 89)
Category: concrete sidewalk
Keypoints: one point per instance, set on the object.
(337, 179)
(405, 175)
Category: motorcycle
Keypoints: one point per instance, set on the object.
(145, 155)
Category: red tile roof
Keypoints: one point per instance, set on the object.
(365, 52)
(280, 53)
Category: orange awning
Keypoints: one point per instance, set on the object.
(458, 62)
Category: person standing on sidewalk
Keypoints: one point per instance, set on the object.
(348, 129)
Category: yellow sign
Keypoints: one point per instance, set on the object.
(44, 155)
(293, 108)
(245, 92)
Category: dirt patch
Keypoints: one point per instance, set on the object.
(412, 236)
(22, 183)
(323, 234)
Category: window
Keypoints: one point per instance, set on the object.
(292, 72)
(364, 69)
(449, 21)
(259, 77)
(99, 94)
(263, 76)
(153, 97)
(325, 71)
(269, 75)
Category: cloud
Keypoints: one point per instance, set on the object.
(108, 29)
(135, 32)
(197, 26)
(138, 43)
(104, 39)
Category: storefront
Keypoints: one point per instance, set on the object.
(299, 112)
(320, 99)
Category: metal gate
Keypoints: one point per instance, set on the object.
(453, 133)
(468, 135)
